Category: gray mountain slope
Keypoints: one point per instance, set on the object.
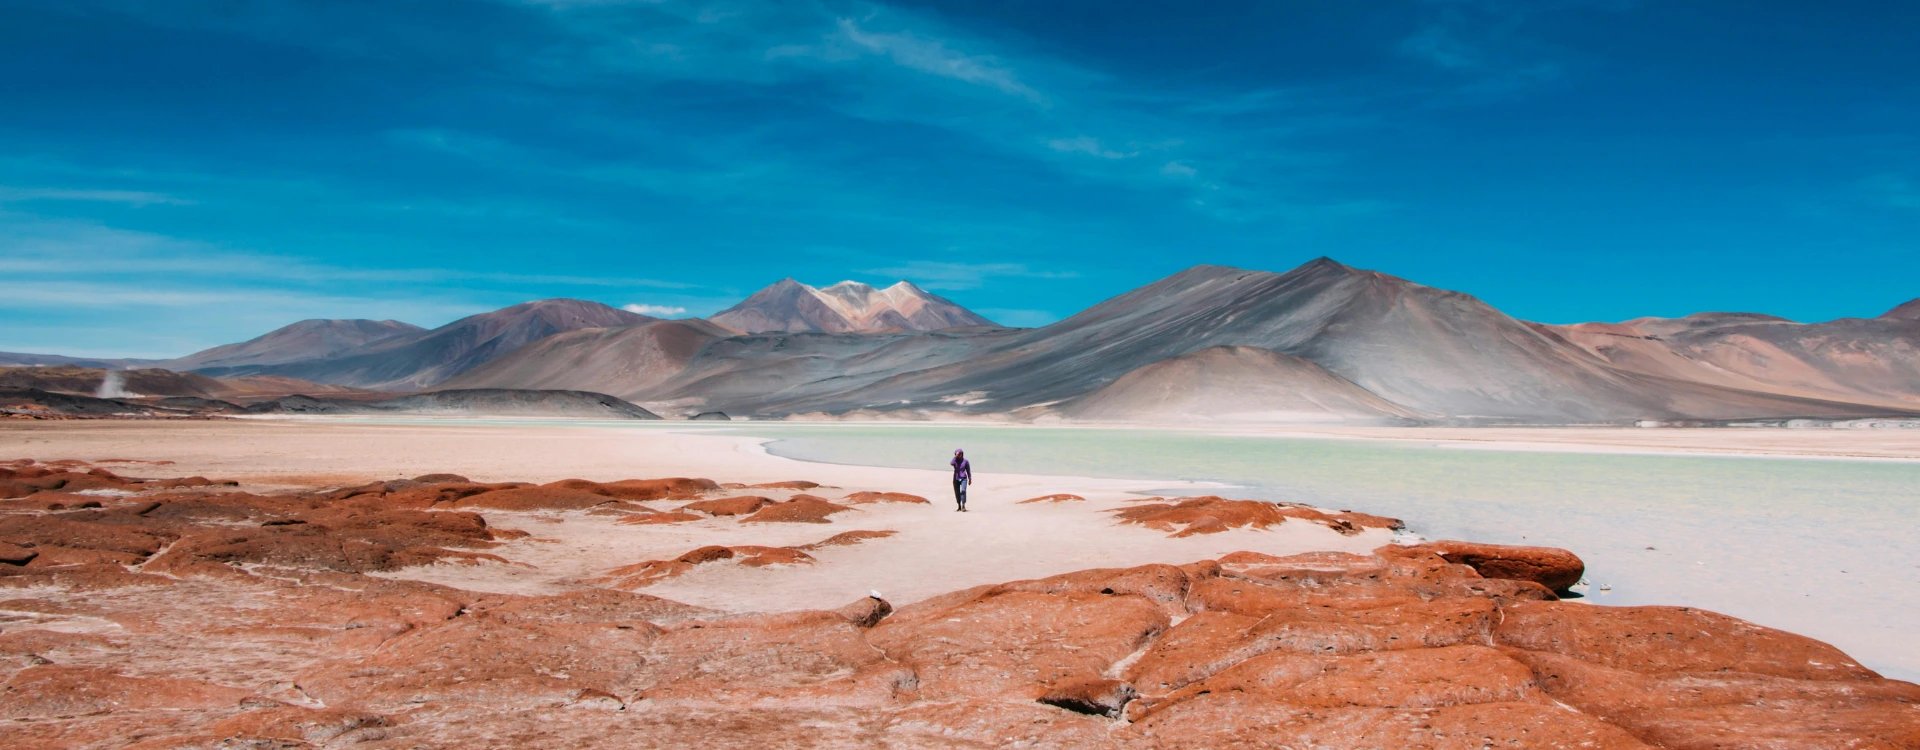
(623, 361)
(1864, 360)
(1427, 350)
(305, 340)
(846, 307)
(427, 359)
(466, 402)
(1235, 383)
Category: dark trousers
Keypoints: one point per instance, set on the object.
(960, 492)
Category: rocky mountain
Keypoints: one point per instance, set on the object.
(1323, 341)
(846, 307)
(1861, 360)
(1235, 383)
(1908, 311)
(426, 359)
(467, 402)
(621, 361)
(155, 383)
(1422, 350)
(305, 340)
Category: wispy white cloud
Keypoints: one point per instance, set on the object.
(16, 194)
(654, 310)
(1179, 170)
(935, 57)
(59, 248)
(1090, 146)
(943, 275)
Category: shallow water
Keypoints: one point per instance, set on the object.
(1815, 546)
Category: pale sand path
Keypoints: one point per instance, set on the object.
(936, 550)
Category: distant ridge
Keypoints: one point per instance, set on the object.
(847, 307)
(620, 361)
(425, 359)
(307, 339)
(1323, 341)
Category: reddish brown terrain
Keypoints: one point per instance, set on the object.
(186, 612)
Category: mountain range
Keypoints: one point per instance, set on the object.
(1322, 342)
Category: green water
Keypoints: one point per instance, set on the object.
(1820, 547)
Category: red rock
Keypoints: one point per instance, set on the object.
(672, 488)
(866, 612)
(1097, 696)
(797, 510)
(594, 606)
(859, 498)
(798, 484)
(1211, 515)
(651, 571)
(847, 538)
(429, 495)
(706, 555)
(75, 532)
(303, 725)
(53, 690)
(1662, 640)
(1056, 498)
(728, 506)
(760, 557)
(996, 641)
(14, 554)
(600, 700)
(1728, 709)
(1554, 568)
(656, 518)
(29, 481)
(1395, 649)
(789, 659)
(184, 482)
(534, 498)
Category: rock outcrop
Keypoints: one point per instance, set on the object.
(1554, 568)
(211, 616)
(1212, 515)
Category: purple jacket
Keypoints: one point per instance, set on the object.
(962, 470)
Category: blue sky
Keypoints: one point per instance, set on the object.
(182, 174)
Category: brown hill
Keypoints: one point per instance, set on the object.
(1234, 383)
(87, 381)
(158, 383)
(307, 339)
(1868, 361)
(471, 402)
(621, 361)
(423, 360)
(1428, 350)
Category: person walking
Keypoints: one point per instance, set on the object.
(962, 476)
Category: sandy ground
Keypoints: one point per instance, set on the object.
(935, 549)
